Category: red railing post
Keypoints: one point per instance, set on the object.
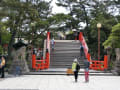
(105, 62)
(80, 36)
(33, 61)
(48, 60)
(88, 57)
(48, 50)
(48, 41)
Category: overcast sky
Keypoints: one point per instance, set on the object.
(57, 9)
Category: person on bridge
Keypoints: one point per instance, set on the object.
(52, 43)
(75, 68)
(81, 50)
(87, 64)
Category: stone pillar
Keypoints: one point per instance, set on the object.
(117, 50)
(117, 62)
(108, 49)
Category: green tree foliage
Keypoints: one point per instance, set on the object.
(20, 14)
(5, 36)
(114, 38)
(58, 22)
(30, 18)
(107, 22)
(77, 10)
(92, 12)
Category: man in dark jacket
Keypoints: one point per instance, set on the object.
(87, 64)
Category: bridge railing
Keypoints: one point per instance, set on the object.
(43, 63)
(94, 64)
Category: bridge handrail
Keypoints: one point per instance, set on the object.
(94, 64)
(43, 63)
(82, 40)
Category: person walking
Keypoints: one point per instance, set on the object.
(52, 43)
(75, 68)
(87, 64)
(81, 50)
(2, 65)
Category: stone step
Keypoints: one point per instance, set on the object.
(65, 52)
(65, 49)
(67, 41)
(65, 58)
(67, 45)
(62, 63)
(65, 61)
(62, 71)
(64, 66)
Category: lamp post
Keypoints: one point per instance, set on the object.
(99, 26)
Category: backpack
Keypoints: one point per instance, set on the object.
(77, 67)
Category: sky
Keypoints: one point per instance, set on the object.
(57, 9)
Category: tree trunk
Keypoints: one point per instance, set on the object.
(10, 45)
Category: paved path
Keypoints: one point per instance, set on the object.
(60, 82)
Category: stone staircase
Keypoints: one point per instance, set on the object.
(64, 53)
(62, 58)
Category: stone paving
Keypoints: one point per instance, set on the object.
(59, 82)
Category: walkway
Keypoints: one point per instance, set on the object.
(59, 82)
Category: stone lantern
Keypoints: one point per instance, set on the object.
(19, 58)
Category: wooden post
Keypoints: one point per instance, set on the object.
(33, 61)
(105, 62)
